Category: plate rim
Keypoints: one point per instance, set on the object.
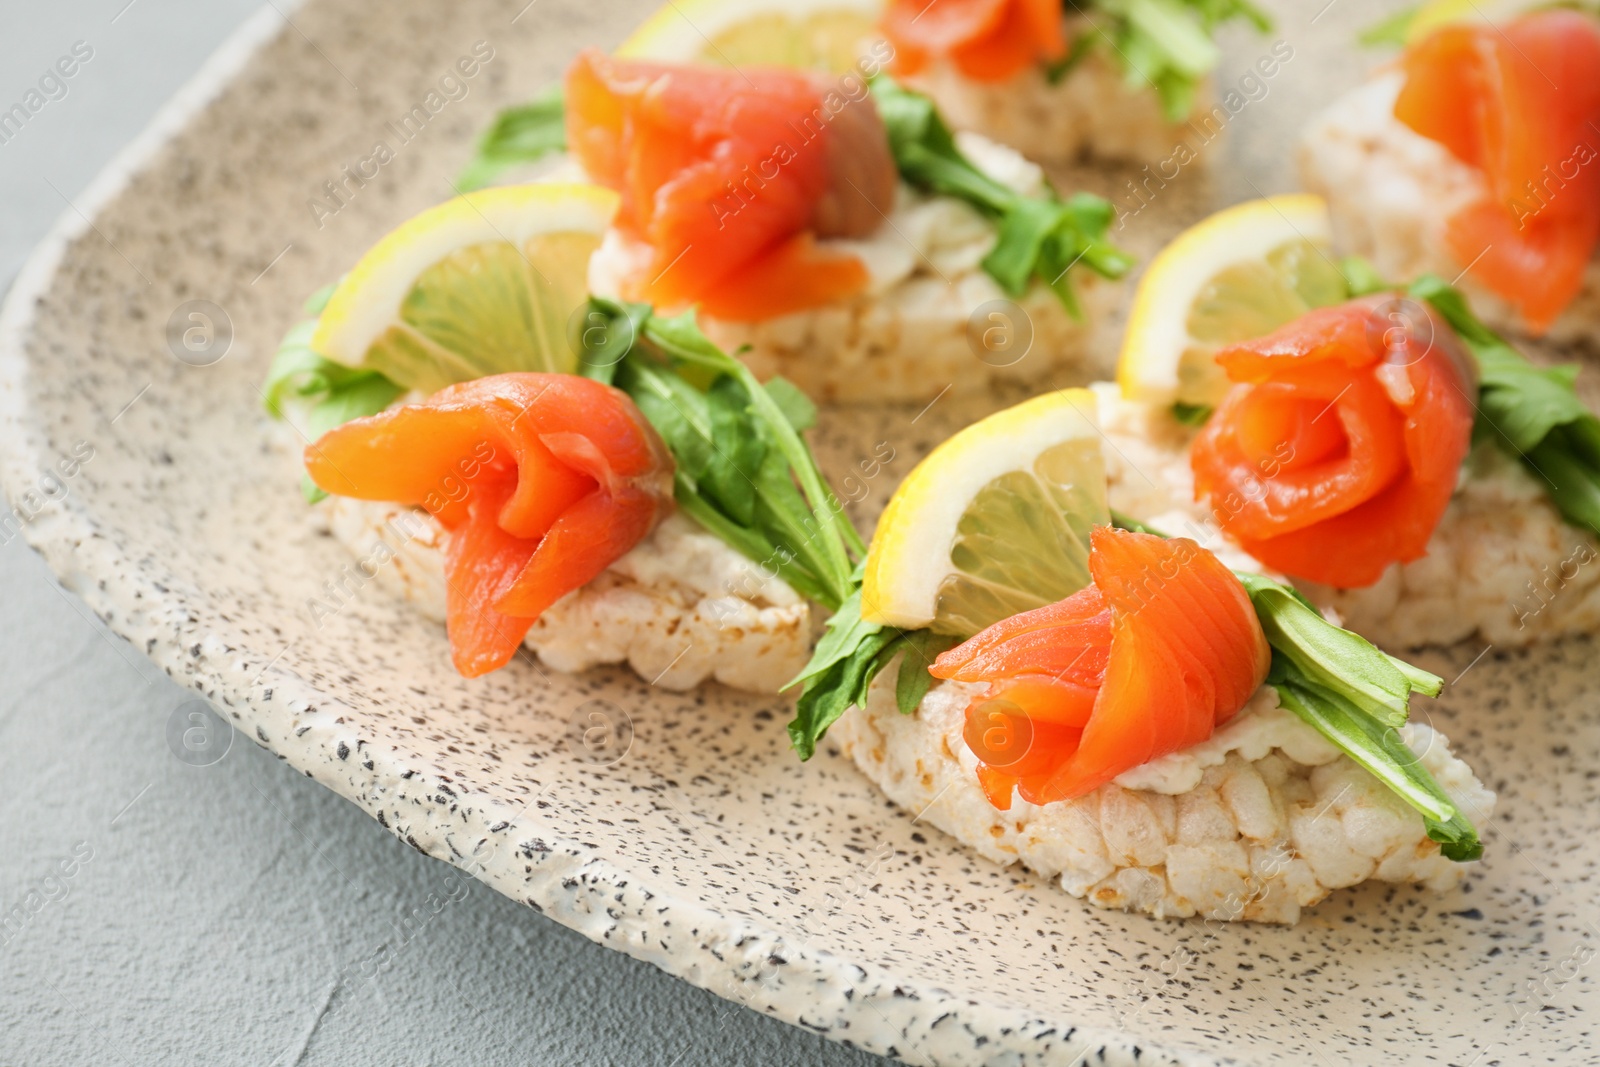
(104, 577)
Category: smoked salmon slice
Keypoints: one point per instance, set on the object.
(727, 176)
(542, 480)
(1521, 103)
(986, 40)
(1162, 648)
(1337, 451)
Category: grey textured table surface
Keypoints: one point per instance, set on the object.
(153, 912)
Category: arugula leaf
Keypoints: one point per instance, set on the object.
(524, 134)
(296, 370)
(850, 655)
(843, 633)
(1573, 485)
(1354, 694)
(1333, 658)
(1361, 278)
(1124, 521)
(678, 411)
(835, 690)
(1379, 749)
(743, 470)
(362, 393)
(1080, 48)
(607, 337)
(922, 647)
(1038, 237)
(331, 393)
(737, 451)
(1173, 29)
(925, 150)
(679, 339)
(795, 405)
(1533, 414)
(1165, 44)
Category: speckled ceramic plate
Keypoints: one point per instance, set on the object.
(706, 849)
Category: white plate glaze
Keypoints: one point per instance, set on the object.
(707, 849)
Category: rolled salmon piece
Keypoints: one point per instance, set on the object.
(1476, 157)
(770, 201)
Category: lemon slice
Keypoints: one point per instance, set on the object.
(995, 521)
(1239, 274)
(826, 35)
(482, 284)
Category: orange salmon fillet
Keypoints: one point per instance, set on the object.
(1522, 104)
(542, 480)
(728, 175)
(986, 40)
(1162, 648)
(1337, 451)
